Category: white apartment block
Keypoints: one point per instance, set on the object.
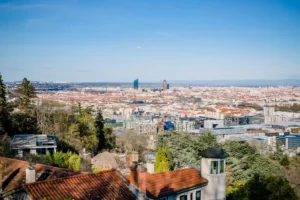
(141, 127)
(184, 125)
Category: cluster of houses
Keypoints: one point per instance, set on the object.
(29, 181)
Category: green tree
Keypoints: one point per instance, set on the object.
(74, 162)
(169, 157)
(87, 131)
(24, 123)
(184, 148)
(279, 156)
(106, 136)
(284, 161)
(27, 92)
(264, 188)
(237, 191)
(109, 138)
(245, 160)
(206, 140)
(4, 116)
(5, 146)
(99, 125)
(161, 163)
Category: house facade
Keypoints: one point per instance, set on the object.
(24, 144)
(182, 184)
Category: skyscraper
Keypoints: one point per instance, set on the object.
(136, 84)
(168, 86)
(165, 85)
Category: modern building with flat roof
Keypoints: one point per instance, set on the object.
(32, 144)
(290, 141)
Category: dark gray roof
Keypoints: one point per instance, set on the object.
(28, 141)
(213, 152)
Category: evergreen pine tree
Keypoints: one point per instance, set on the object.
(169, 156)
(99, 125)
(161, 163)
(109, 139)
(27, 91)
(4, 122)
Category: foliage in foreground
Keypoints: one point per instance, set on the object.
(185, 148)
(4, 123)
(247, 170)
(67, 160)
(244, 161)
(162, 162)
(261, 187)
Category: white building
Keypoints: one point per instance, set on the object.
(145, 127)
(184, 125)
(213, 169)
(213, 123)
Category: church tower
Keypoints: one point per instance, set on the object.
(213, 169)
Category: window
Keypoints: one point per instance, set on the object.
(191, 196)
(214, 167)
(183, 197)
(198, 195)
(222, 166)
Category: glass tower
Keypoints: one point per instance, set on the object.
(136, 84)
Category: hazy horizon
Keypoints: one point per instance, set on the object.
(283, 82)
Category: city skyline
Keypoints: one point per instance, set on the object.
(104, 41)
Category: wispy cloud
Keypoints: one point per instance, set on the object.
(138, 47)
(22, 6)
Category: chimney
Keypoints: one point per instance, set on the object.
(138, 175)
(150, 167)
(1, 178)
(30, 173)
(85, 161)
(133, 157)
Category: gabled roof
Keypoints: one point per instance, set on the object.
(106, 185)
(14, 173)
(161, 184)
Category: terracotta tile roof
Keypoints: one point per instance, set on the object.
(103, 185)
(14, 173)
(160, 184)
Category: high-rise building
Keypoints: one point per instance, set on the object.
(168, 86)
(165, 85)
(136, 84)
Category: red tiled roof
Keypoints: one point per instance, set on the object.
(106, 185)
(14, 173)
(163, 183)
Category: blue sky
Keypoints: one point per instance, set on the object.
(153, 40)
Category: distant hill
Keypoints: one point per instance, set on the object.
(250, 83)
